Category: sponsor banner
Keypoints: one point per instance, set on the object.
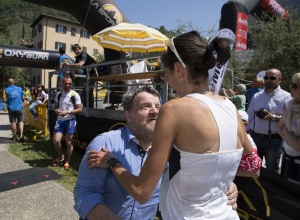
(216, 74)
(14, 56)
(241, 31)
(274, 8)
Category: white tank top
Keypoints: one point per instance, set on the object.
(198, 182)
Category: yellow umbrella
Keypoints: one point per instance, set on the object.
(129, 37)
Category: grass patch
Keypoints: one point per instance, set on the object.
(41, 153)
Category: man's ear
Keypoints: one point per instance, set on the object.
(126, 115)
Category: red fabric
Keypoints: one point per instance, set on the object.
(251, 161)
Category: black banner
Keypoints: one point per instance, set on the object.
(26, 57)
(271, 196)
(87, 128)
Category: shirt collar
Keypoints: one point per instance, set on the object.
(275, 92)
(130, 136)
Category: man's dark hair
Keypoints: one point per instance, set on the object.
(75, 46)
(62, 50)
(129, 96)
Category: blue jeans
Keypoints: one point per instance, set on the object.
(270, 148)
(33, 106)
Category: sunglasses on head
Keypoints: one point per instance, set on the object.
(173, 48)
(270, 77)
(294, 86)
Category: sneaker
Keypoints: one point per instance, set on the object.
(66, 166)
(57, 161)
(22, 139)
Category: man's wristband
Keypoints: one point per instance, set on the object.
(69, 112)
(273, 117)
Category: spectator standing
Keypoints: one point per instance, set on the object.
(289, 130)
(257, 86)
(26, 94)
(62, 56)
(67, 105)
(202, 162)
(83, 59)
(237, 96)
(265, 110)
(40, 99)
(97, 192)
(14, 100)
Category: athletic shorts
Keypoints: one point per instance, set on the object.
(15, 116)
(65, 127)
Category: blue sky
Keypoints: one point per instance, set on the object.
(204, 14)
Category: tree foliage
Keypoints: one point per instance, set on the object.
(276, 45)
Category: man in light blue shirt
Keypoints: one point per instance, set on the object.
(97, 193)
(265, 110)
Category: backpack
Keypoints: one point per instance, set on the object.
(72, 97)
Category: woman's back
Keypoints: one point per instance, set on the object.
(204, 161)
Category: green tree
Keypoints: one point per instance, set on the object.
(276, 45)
(16, 73)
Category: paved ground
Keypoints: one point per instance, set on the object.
(29, 193)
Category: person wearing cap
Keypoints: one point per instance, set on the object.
(257, 86)
(237, 96)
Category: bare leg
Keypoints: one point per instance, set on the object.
(69, 147)
(21, 128)
(14, 130)
(56, 142)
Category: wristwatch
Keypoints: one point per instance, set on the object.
(69, 112)
(111, 163)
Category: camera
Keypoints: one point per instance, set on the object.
(261, 113)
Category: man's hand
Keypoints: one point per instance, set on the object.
(99, 158)
(232, 195)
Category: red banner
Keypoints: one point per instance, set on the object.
(241, 31)
(274, 8)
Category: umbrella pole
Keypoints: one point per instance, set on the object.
(131, 46)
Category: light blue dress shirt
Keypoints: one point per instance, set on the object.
(98, 186)
(275, 102)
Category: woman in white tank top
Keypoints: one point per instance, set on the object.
(200, 134)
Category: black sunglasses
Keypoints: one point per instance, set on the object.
(269, 77)
(294, 86)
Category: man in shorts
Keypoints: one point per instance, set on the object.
(14, 100)
(67, 105)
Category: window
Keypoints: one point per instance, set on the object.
(34, 32)
(95, 52)
(84, 34)
(39, 27)
(59, 44)
(40, 45)
(71, 47)
(73, 31)
(61, 29)
(84, 49)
